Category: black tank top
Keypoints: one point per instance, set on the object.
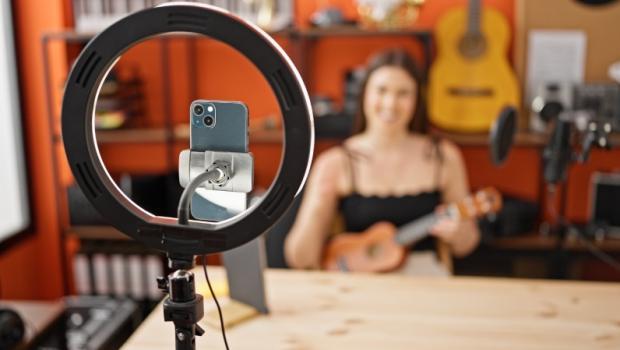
(360, 212)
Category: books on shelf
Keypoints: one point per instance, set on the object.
(92, 16)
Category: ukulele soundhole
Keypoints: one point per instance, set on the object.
(373, 250)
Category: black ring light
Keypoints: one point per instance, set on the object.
(163, 233)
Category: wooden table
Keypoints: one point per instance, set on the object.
(318, 310)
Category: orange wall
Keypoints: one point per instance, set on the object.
(32, 268)
(222, 73)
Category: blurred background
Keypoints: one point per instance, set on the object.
(54, 244)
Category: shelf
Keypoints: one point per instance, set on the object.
(344, 30)
(538, 242)
(144, 135)
(97, 232)
(524, 242)
(68, 36)
(522, 138)
(181, 133)
(350, 30)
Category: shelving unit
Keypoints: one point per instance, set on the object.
(537, 242)
(168, 139)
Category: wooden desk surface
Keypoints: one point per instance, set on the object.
(318, 310)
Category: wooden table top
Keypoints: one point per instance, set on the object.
(320, 310)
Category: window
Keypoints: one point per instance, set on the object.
(14, 212)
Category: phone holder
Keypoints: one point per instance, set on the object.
(239, 168)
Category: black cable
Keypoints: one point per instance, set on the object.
(219, 310)
(596, 251)
(183, 219)
(592, 248)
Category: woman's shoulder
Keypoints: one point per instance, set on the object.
(333, 156)
(449, 149)
(330, 165)
(442, 147)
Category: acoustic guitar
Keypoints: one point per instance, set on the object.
(383, 247)
(471, 79)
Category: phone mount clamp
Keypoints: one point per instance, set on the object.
(236, 169)
(183, 306)
(183, 240)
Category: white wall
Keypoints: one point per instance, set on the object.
(14, 215)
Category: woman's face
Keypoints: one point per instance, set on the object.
(390, 98)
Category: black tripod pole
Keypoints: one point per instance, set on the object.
(183, 306)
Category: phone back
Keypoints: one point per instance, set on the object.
(228, 131)
(218, 126)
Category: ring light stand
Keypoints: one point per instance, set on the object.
(182, 242)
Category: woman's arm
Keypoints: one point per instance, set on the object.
(463, 236)
(304, 243)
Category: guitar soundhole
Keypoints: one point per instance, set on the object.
(472, 45)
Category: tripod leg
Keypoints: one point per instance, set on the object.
(184, 308)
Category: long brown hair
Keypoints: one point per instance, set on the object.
(394, 58)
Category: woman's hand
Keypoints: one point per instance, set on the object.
(446, 229)
(461, 235)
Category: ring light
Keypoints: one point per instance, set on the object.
(163, 233)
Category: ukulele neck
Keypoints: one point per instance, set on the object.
(418, 229)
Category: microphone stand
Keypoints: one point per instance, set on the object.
(558, 155)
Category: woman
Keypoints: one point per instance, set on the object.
(388, 171)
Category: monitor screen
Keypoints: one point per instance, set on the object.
(606, 208)
(14, 212)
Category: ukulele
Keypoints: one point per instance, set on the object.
(471, 80)
(383, 247)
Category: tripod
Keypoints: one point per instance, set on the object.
(183, 306)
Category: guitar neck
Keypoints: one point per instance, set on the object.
(416, 230)
(473, 22)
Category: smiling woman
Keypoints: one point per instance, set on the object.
(389, 173)
(14, 194)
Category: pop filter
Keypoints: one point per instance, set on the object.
(502, 134)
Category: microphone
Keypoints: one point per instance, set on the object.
(558, 153)
(597, 135)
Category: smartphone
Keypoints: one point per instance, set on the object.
(218, 126)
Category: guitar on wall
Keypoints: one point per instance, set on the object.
(383, 247)
(471, 79)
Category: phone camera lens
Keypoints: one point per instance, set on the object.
(198, 109)
(209, 120)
